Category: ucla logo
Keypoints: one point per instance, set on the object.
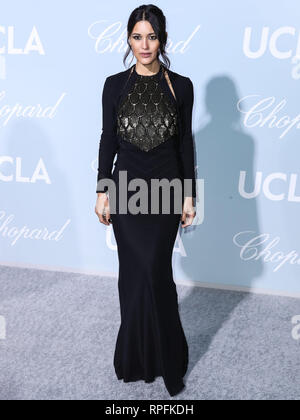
(269, 41)
(10, 46)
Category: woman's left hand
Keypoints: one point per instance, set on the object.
(188, 212)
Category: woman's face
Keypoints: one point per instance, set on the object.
(144, 42)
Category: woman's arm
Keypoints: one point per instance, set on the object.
(187, 146)
(108, 142)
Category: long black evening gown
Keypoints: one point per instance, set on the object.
(151, 341)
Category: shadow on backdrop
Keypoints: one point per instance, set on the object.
(222, 151)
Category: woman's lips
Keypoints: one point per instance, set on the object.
(145, 54)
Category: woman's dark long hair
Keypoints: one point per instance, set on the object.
(156, 18)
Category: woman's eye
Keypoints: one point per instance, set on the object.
(152, 37)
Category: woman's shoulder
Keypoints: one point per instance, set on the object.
(181, 80)
(183, 84)
(118, 76)
(177, 75)
(114, 82)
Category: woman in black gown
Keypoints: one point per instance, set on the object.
(147, 114)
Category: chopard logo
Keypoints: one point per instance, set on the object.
(251, 249)
(14, 233)
(265, 113)
(10, 112)
(112, 38)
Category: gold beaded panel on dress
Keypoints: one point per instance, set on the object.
(147, 117)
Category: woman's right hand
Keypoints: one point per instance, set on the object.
(102, 206)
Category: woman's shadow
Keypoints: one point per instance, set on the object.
(214, 248)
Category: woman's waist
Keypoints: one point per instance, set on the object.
(149, 148)
(162, 166)
(161, 160)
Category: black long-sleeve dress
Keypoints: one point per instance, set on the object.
(151, 133)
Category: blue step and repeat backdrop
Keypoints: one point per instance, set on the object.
(244, 61)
